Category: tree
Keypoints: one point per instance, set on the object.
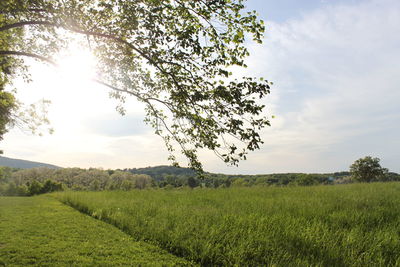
(7, 100)
(306, 180)
(192, 182)
(118, 178)
(172, 55)
(367, 169)
(13, 112)
(51, 186)
(240, 182)
(35, 188)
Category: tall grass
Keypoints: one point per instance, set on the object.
(357, 225)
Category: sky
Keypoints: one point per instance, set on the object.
(336, 93)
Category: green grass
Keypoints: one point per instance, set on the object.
(349, 225)
(42, 231)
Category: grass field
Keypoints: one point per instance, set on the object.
(347, 225)
(42, 231)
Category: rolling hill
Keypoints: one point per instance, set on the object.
(24, 164)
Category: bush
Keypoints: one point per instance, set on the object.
(34, 188)
(51, 186)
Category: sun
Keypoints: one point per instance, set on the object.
(77, 64)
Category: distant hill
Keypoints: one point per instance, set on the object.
(24, 164)
(159, 172)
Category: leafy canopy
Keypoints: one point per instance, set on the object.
(368, 169)
(172, 55)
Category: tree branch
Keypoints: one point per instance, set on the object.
(52, 62)
(24, 10)
(77, 30)
(17, 53)
(25, 23)
(97, 34)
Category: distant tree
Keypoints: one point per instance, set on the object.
(367, 169)
(22, 190)
(392, 176)
(11, 189)
(240, 182)
(306, 180)
(67, 176)
(5, 174)
(51, 186)
(125, 180)
(116, 179)
(142, 181)
(171, 179)
(3, 189)
(228, 182)
(192, 182)
(35, 188)
(28, 175)
(127, 185)
(87, 178)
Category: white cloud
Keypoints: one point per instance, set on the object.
(336, 89)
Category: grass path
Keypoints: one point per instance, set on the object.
(44, 232)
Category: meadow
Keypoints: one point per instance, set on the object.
(41, 231)
(342, 225)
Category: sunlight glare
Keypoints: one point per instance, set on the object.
(77, 65)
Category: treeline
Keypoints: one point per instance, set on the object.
(161, 172)
(279, 179)
(28, 182)
(222, 180)
(169, 176)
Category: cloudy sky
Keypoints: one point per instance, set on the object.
(335, 65)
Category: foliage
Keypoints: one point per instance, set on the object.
(127, 181)
(7, 100)
(12, 112)
(44, 180)
(35, 188)
(40, 231)
(17, 182)
(349, 225)
(192, 182)
(240, 182)
(159, 172)
(175, 56)
(29, 188)
(7, 107)
(5, 173)
(307, 180)
(368, 169)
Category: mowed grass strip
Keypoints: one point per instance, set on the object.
(44, 232)
(349, 225)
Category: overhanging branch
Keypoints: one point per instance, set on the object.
(25, 23)
(52, 62)
(96, 34)
(25, 54)
(77, 30)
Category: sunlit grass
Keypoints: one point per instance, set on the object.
(351, 225)
(41, 231)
